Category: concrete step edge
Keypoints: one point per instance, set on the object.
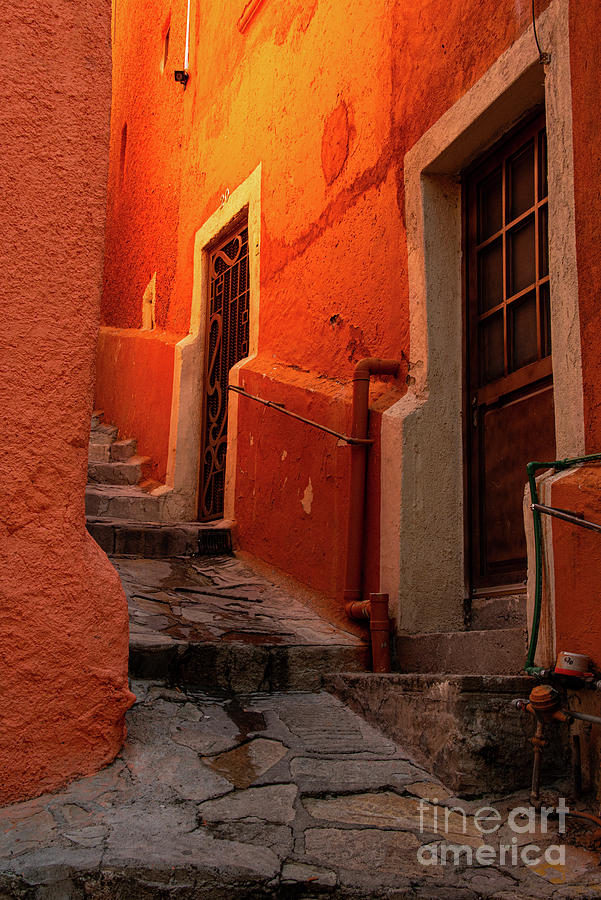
(127, 463)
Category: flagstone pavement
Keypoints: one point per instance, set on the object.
(268, 795)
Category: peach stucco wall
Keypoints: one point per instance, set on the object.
(328, 97)
(64, 647)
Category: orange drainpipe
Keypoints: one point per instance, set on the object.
(375, 609)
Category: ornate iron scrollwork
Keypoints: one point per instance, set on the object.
(228, 335)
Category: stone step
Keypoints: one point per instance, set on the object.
(131, 471)
(238, 667)
(99, 452)
(97, 418)
(498, 651)
(463, 727)
(119, 451)
(115, 501)
(152, 540)
(103, 434)
(123, 450)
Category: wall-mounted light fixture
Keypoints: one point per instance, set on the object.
(182, 75)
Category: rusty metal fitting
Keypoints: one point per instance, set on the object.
(357, 609)
(379, 625)
(519, 703)
(545, 702)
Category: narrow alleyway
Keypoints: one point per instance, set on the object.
(240, 778)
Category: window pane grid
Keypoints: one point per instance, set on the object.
(510, 262)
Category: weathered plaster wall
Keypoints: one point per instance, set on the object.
(584, 27)
(331, 138)
(63, 657)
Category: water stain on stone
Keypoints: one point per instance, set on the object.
(243, 765)
(183, 632)
(182, 576)
(246, 720)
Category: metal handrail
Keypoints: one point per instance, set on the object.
(574, 518)
(287, 412)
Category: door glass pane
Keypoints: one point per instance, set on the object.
(543, 237)
(520, 254)
(490, 275)
(520, 171)
(545, 315)
(490, 205)
(492, 351)
(523, 330)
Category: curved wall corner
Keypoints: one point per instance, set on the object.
(63, 614)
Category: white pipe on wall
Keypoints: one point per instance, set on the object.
(187, 53)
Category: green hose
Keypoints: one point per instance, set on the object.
(532, 468)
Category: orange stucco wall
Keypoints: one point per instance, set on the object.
(577, 565)
(577, 553)
(584, 26)
(63, 655)
(134, 383)
(328, 97)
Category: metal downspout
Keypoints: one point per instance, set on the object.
(355, 607)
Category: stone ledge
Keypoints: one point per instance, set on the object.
(499, 651)
(154, 540)
(460, 727)
(236, 667)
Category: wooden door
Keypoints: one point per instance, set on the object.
(509, 374)
(227, 343)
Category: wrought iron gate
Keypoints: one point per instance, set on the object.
(227, 342)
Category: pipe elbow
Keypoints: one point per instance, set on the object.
(357, 609)
(372, 365)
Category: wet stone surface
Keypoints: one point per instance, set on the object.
(286, 795)
(215, 624)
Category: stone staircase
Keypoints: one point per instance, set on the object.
(214, 623)
(199, 617)
(119, 482)
(125, 505)
(111, 461)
